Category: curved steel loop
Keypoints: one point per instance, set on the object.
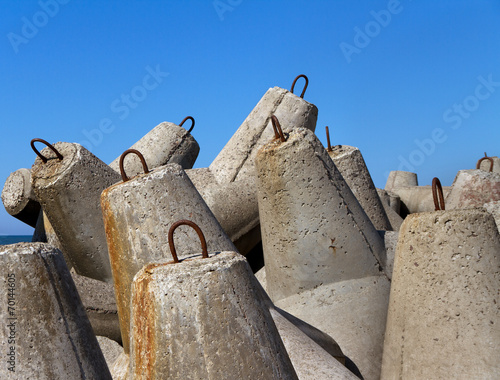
(43, 158)
(192, 123)
(305, 86)
(478, 165)
(436, 187)
(122, 159)
(278, 133)
(329, 146)
(198, 231)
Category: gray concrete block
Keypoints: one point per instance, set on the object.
(39, 235)
(352, 312)
(120, 369)
(236, 159)
(486, 165)
(494, 209)
(398, 178)
(137, 216)
(391, 202)
(69, 191)
(390, 242)
(47, 334)
(473, 188)
(19, 199)
(349, 161)
(313, 229)
(203, 319)
(167, 143)
(98, 298)
(444, 312)
(416, 199)
(110, 349)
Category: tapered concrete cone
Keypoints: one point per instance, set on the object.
(444, 311)
(349, 161)
(236, 159)
(399, 178)
(473, 188)
(313, 229)
(137, 216)
(203, 319)
(167, 143)
(69, 190)
(45, 332)
(19, 199)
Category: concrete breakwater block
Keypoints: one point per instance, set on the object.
(399, 178)
(494, 209)
(68, 185)
(203, 319)
(46, 333)
(314, 231)
(19, 199)
(349, 161)
(137, 216)
(444, 310)
(489, 164)
(473, 188)
(352, 312)
(416, 199)
(167, 143)
(392, 205)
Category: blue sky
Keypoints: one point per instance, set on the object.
(414, 84)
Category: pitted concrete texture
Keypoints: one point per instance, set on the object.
(19, 199)
(390, 241)
(485, 165)
(46, 333)
(39, 235)
(444, 311)
(137, 217)
(418, 199)
(120, 369)
(399, 178)
(390, 203)
(167, 143)
(311, 362)
(98, 298)
(110, 349)
(69, 191)
(236, 159)
(349, 161)
(353, 313)
(473, 188)
(313, 229)
(494, 209)
(204, 319)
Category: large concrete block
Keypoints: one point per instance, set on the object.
(489, 164)
(473, 188)
(391, 203)
(313, 229)
(69, 191)
(203, 319)
(46, 333)
(399, 178)
(167, 143)
(352, 312)
(494, 209)
(349, 161)
(444, 311)
(236, 159)
(416, 199)
(19, 199)
(137, 216)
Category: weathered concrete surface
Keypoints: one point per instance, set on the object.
(418, 199)
(399, 178)
(444, 311)
(137, 216)
(204, 319)
(120, 369)
(50, 336)
(390, 204)
(236, 159)
(98, 299)
(110, 349)
(39, 235)
(313, 229)
(494, 209)
(349, 161)
(473, 188)
(69, 191)
(390, 242)
(353, 313)
(310, 361)
(485, 165)
(167, 143)
(19, 199)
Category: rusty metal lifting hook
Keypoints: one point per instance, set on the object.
(278, 132)
(478, 165)
(43, 158)
(436, 187)
(192, 123)
(198, 231)
(122, 159)
(305, 86)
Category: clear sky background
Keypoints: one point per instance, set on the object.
(414, 84)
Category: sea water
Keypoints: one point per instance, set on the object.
(11, 239)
